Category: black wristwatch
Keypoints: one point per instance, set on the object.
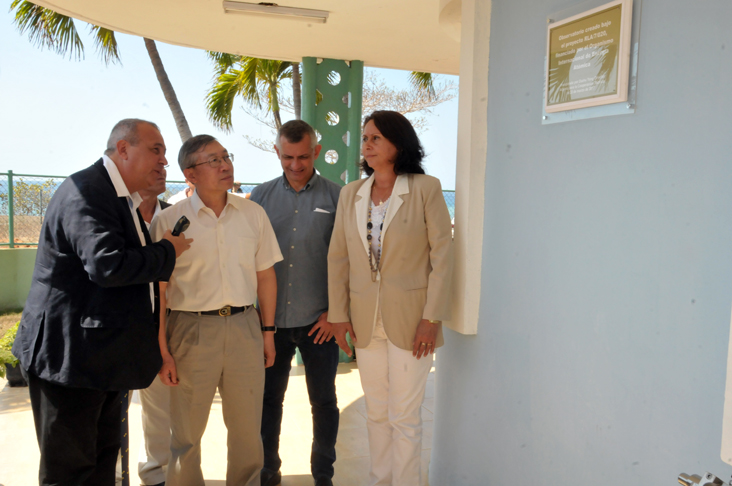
(269, 328)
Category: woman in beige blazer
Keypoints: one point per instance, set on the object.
(389, 268)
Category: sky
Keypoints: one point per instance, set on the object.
(56, 114)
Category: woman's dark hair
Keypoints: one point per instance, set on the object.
(397, 129)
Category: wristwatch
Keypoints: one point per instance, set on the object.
(269, 328)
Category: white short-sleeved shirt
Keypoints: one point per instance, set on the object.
(220, 267)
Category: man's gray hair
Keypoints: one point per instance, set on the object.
(187, 153)
(125, 130)
(294, 131)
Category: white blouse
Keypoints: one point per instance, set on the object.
(378, 214)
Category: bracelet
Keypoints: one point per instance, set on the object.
(434, 322)
(269, 328)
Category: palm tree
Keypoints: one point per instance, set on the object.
(52, 30)
(180, 119)
(251, 78)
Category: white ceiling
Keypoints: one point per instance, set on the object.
(398, 34)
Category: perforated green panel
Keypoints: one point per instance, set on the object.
(331, 103)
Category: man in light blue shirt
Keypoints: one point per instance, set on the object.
(301, 206)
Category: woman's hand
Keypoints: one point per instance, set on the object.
(424, 339)
(339, 332)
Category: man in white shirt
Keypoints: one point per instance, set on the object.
(212, 336)
(155, 399)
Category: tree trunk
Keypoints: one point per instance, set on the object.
(296, 90)
(168, 91)
(275, 105)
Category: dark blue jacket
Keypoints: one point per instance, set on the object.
(88, 320)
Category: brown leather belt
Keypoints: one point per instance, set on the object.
(225, 311)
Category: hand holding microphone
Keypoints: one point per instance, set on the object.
(177, 238)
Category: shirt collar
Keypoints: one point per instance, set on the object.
(311, 182)
(119, 184)
(197, 204)
(232, 199)
(157, 208)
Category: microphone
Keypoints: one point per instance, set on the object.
(181, 226)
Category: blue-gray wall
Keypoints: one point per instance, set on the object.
(607, 280)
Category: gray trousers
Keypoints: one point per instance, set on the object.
(216, 352)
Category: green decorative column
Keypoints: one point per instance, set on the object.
(331, 102)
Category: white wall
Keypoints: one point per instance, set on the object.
(606, 289)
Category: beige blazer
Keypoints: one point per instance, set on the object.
(416, 260)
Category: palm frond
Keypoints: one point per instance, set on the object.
(422, 82)
(222, 61)
(284, 70)
(231, 80)
(106, 44)
(252, 78)
(47, 29)
(249, 76)
(220, 100)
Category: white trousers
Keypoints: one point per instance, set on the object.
(393, 383)
(155, 447)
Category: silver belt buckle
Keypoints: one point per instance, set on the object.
(225, 311)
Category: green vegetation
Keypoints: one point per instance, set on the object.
(29, 198)
(6, 344)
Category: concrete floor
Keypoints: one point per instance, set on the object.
(19, 458)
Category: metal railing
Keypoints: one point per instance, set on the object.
(24, 199)
(23, 202)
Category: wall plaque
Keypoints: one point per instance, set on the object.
(588, 56)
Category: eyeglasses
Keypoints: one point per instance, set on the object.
(215, 162)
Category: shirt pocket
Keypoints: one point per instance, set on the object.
(247, 252)
(322, 223)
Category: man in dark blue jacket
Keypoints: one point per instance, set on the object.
(88, 331)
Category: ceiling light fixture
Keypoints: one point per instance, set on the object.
(272, 9)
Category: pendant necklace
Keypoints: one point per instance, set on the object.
(369, 226)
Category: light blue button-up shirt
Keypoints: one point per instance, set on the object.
(303, 222)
